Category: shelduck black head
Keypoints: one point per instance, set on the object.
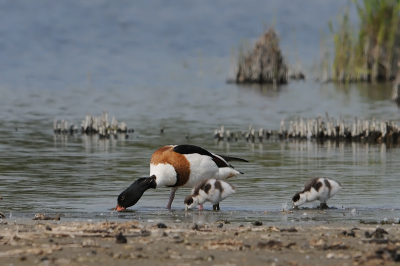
(134, 192)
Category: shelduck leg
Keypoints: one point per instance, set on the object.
(171, 198)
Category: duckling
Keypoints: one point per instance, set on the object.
(318, 188)
(211, 190)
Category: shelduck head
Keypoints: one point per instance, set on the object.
(191, 202)
(134, 192)
(299, 199)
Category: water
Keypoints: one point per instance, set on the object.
(157, 65)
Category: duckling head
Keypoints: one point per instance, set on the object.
(299, 199)
(191, 202)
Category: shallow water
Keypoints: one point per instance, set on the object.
(170, 72)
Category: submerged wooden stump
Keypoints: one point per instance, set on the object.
(396, 87)
(264, 64)
(395, 93)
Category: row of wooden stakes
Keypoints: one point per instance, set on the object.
(318, 129)
(93, 125)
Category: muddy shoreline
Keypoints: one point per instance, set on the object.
(58, 242)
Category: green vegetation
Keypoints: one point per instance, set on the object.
(369, 55)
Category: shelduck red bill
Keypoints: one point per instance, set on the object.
(119, 208)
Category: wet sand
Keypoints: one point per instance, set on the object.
(63, 242)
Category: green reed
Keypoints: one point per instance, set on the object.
(369, 55)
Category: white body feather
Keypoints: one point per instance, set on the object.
(165, 174)
(214, 195)
(324, 192)
(208, 191)
(201, 167)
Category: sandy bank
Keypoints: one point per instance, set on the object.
(30, 242)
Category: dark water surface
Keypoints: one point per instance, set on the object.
(155, 65)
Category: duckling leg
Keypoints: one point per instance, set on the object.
(171, 197)
(323, 205)
(216, 207)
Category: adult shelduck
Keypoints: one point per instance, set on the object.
(318, 188)
(178, 166)
(211, 190)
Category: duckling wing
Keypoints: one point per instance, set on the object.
(312, 183)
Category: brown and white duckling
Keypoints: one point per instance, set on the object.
(211, 190)
(318, 188)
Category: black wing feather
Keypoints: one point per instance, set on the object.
(229, 158)
(190, 149)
